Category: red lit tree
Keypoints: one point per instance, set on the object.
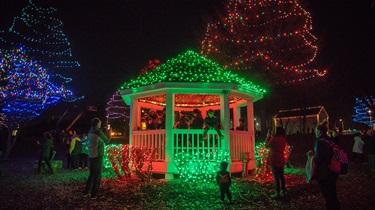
(151, 65)
(270, 40)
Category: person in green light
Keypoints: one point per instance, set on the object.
(46, 153)
(211, 123)
(224, 181)
(96, 142)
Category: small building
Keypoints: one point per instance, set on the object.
(182, 84)
(301, 120)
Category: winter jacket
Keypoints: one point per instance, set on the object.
(96, 142)
(276, 154)
(197, 122)
(323, 155)
(47, 149)
(75, 146)
(211, 122)
(358, 145)
(222, 174)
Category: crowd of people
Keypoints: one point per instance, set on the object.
(76, 148)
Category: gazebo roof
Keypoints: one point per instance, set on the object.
(191, 67)
(190, 71)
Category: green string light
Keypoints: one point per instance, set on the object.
(191, 67)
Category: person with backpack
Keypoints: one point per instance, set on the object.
(224, 181)
(323, 174)
(276, 159)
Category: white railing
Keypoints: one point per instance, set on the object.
(151, 138)
(241, 142)
(192, 141)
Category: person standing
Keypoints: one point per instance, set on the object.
(85, 152)
(369, 140)
(326, 177)
(96, 143)
(224, 181)
(358, 147)
(277, 160)
(75, 152)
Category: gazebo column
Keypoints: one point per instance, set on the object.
(225, 119)
(250, 128)
(169, 141)
(134, 120)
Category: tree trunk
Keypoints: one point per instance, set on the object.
(11, 141)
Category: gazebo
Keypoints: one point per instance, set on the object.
(187, 82)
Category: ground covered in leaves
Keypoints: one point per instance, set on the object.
(21, 189)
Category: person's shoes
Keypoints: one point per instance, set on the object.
(86, 167)
(282, 193)
(276, 195)
(79, 168)
(95, 197)
(86, 195)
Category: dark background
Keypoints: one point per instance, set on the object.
(114, 39)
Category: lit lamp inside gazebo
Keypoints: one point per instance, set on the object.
(183, 84)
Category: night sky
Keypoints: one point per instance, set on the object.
(114, 39)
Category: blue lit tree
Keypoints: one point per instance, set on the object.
(39, 32)
(25, 91)
(364, 110)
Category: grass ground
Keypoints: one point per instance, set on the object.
(21, 189)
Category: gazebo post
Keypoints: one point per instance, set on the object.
(169, 141)
(250, 128)
(225, 119)
(134, 110)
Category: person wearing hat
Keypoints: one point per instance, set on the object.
(211, 123)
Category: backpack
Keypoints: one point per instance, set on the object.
(339, 162)
(223, 178)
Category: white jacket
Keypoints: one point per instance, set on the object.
(358, 145)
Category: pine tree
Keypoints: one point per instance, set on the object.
(116, 107)
(25, 91)
(270, 40)
(39, 32)
(364, 110)
(118, 114)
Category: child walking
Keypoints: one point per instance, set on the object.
(224, 181)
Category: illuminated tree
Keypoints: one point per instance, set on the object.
(270, 40)
(39, 32)
(364, 110)
(118, 113)
(26, 90)
(151, 65)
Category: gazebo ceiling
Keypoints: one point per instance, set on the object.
(189, 100)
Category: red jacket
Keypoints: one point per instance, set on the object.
(276, 155)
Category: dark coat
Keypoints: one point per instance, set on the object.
(197, 122)
(323, 155)
(47, 149)
(211, 122)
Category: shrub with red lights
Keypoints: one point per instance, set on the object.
(124, 158)
(263, 170)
